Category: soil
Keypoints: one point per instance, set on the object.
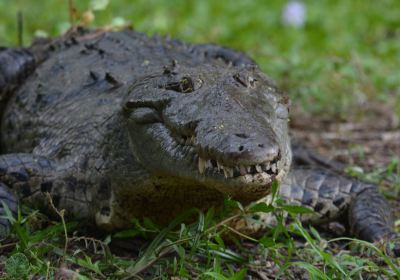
(369, 141)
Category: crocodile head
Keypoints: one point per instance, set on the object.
(225, 128)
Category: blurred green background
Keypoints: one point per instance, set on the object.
(346, 55)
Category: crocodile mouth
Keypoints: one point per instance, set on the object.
(212, 166)
(208, 165)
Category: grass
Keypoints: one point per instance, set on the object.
(345, 56)
(198, 250)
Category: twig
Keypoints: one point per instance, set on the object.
(240, 234)
(71, 10)
(61, 214)
(224, 222)
(20, 28)
(8, 245)
(95, 242)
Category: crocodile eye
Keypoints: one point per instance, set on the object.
(245, 80)
(252, 81)
(185, 85)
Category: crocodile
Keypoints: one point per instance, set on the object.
(118, 125)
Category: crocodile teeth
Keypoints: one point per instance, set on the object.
(202, 165)
(230, 171)
(214, 166)
(225, 172)
(242, 170)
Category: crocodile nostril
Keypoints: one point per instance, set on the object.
(105, 211)
(241, 148)
(242, 135)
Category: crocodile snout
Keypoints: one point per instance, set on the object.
(240, 154)
(247, 149)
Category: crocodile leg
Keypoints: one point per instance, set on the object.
(31, 178)
(23, 175)
(332, 195)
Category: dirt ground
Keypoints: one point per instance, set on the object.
(375, 135)
(370, 141)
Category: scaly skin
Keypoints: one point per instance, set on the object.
(132, 126)
(15, 66)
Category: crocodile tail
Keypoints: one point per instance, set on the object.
(370, 216)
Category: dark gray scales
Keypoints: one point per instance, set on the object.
(117, 125)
